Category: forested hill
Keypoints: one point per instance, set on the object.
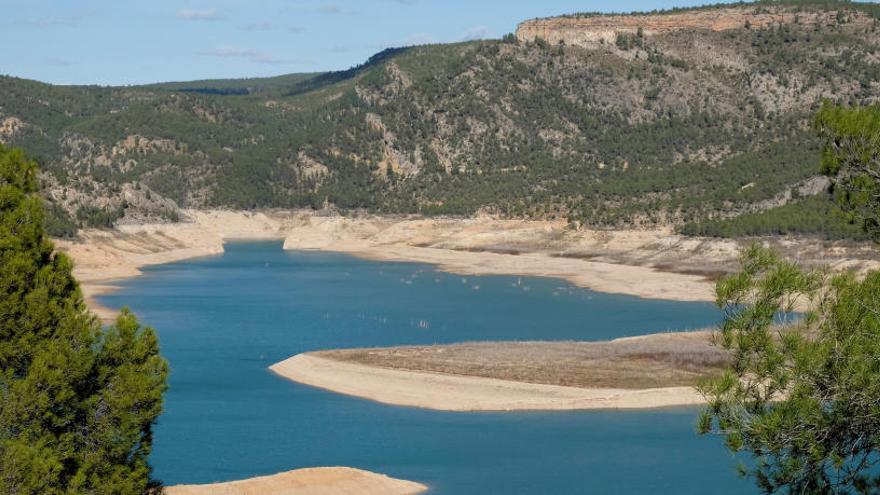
(639, 126)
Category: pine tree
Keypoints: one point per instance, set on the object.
(851, 156)
(802, 395)
(77, 402)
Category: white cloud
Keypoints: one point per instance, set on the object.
(198, 15)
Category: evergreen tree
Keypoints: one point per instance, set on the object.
(851, 155)
(77, 403)
(803, 395)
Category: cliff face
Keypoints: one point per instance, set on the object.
(588, 31)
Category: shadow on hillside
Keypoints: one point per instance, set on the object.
(339, 76)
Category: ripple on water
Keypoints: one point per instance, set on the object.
(223, 320)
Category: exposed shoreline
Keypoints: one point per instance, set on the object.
(466, 393)
(104, 257)
(644, 372)
(308, 481)
(653, 264)
(612, 278)
(650, 264)
(660, 360)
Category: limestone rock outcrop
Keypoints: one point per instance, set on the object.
(591, 30)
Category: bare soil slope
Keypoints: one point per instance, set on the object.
(662, 360)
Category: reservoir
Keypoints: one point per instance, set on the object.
(222, 321)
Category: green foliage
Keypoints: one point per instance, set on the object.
(851, 155)
(93, 216)
(525, 130)
(77, 403)
(815, 215)
(628, 41)
(58, 222)
(246, 86)
(802, 396)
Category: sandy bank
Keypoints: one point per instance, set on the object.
(649, 371)
(651, 361)
(652, 264)
(311, 481)
(485, 246)
(466, 393)
(103, 256)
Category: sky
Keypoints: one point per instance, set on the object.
(121, 42)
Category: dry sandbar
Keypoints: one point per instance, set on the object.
(649, 372)
(309, 481)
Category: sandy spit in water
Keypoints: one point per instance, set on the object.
(468, 393)
(309, 481)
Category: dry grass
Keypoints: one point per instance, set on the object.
(662, 360)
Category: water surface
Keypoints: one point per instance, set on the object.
(223, 320)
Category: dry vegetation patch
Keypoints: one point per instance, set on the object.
(663, 360)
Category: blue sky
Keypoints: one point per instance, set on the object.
(132, 42)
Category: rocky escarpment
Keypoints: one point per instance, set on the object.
(593, 30)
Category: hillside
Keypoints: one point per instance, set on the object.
(657, 120)
(243, 86)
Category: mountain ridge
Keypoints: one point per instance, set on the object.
(665, 128)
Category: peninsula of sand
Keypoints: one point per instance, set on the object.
(310, 481)
(652, 371)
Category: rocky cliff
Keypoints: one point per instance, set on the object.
(592, 30)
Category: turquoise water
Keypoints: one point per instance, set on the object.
(223, 320)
